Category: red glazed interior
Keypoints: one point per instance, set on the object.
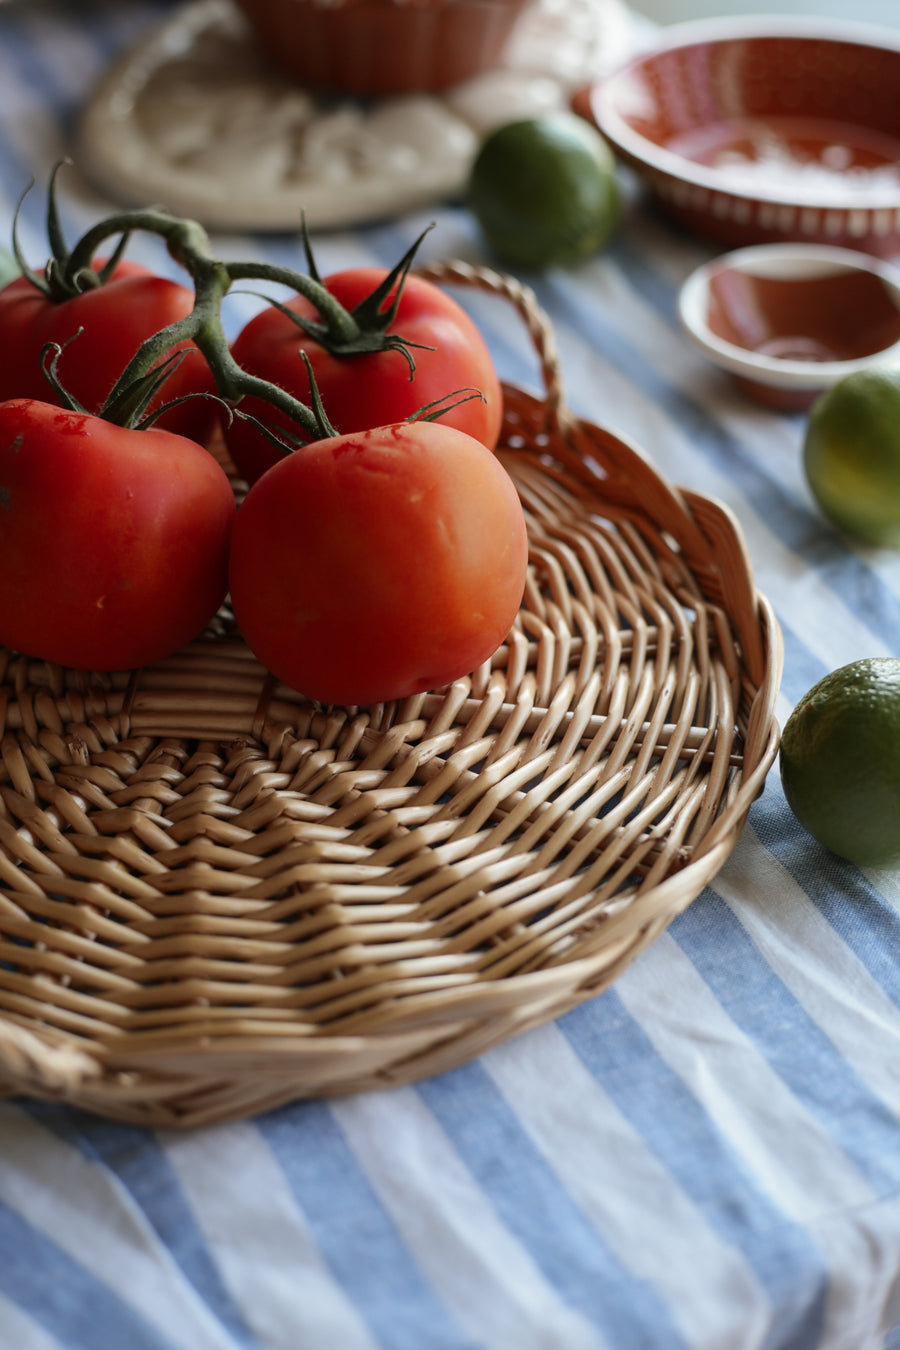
(842, 317)
(749, 135)
(376, 48)
(705, 100)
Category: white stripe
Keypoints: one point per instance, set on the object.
(863, 1023)
(491, 1285)
(18, 1331)
(72, 59)
(84, 1210)
(791, 1157)
(807, 1176)
(605, 1165)
(261, 1242)
(864, 1286)
(821, 971)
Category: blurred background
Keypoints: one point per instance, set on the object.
(865, 11)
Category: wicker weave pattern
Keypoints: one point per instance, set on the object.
(215, 897)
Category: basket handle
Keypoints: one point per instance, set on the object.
(524, 300)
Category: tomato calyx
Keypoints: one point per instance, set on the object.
(360, 331)
(373, 315)
(439, 407)
(189, 245)
(126, 405)
(60, 280)
(284, 438)
(341, 332)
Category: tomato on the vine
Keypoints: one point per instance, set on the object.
(383, 563)
(372, 389)
(113, 540)
(114, 317)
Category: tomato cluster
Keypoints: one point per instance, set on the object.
(371, 557)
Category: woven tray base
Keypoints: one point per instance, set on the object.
(216, 898)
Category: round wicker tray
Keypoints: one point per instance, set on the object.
(216, 897)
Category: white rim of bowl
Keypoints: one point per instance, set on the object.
(773, 370)
(631, 145)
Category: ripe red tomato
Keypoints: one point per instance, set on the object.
(375, 389)
(375, 565)
(113, 541)
(115, 318)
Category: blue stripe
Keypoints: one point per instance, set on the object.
(797, 1049)
(32, 74)
(135, 1158)
(650, 284)
(112, 31)
(802, 668)
(58, 1294)
(544, 1219)
(674, 1125)
(869, 924)
(108, 29)
(16, 173)
(354, 1233)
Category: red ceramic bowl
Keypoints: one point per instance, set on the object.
(378, 48)
(752, 131)
(790, 320)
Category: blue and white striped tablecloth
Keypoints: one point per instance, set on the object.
(707, 1156)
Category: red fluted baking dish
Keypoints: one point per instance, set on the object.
(373, 48)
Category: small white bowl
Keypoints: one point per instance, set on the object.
(790, 320)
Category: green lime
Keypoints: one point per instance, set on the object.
(544, 190)
(840, 761)
(851, 454)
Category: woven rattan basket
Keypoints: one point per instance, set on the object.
(216, 898)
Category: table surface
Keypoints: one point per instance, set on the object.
(704, 1157)
(885, 12)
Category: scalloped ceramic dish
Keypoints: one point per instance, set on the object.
(763, 130)
(378, 48)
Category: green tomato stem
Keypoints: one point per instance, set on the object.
(188, 244)
(69, 273)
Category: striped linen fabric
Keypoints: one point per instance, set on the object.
(705, 1157)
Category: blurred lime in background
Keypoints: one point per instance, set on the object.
(544, 191)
